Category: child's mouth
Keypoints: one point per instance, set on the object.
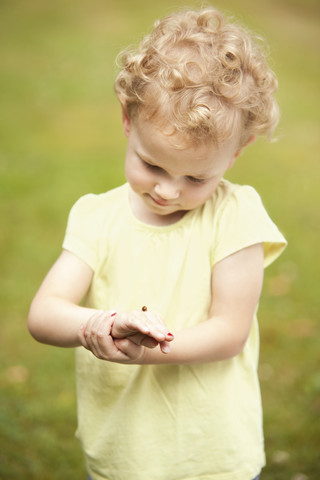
(161, 202)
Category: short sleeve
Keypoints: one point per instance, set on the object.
(82, 230)
(242, 221)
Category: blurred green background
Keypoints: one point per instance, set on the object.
(61, 137)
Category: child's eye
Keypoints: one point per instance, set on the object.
(150, 166)
(196, 180)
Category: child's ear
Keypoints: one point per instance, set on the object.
(126, 122)
(238, 152)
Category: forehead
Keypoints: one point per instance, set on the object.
(156, 136)
(161, 146)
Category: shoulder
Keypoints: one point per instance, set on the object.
(241, 220)
(240, 202)
(98, 205)
(92, 211)
(89, 221)
(230, 196)
(92, 202)
(228, 192)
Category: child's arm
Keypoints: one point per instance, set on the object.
(236, 286)
(56, 318)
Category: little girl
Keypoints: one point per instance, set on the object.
(175, 249)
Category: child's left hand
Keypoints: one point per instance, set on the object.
(106, 333)
(143, 328)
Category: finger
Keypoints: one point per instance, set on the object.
(158, 329)
(169, 337)
(105, 321)
(91, 335)
(130, 349)
(102, 339)
(99, 333)
(85, 332)
(145, 340)
(164, 347)
(97, 330)
(93, 320)
(129, 323)
(149, 342)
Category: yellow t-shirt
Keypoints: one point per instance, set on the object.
(168, 422)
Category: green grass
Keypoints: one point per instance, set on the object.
(61, 137)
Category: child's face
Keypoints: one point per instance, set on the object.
(167, 179)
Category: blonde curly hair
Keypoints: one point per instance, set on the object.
(205, 77)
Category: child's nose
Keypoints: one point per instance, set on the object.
(167, 189)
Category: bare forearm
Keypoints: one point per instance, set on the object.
(236, 287)
(57, 321)
(210, 341)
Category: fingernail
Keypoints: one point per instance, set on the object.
(165, 349)
(113, 314)
(170, 334)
